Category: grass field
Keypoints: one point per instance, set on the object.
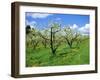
(64, 56)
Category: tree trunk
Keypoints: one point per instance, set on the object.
(52, 43)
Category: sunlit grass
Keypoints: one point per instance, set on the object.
(64, 56)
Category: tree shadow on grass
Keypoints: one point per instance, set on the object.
(68, 51)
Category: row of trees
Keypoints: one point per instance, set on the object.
(52, 37)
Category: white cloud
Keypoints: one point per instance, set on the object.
(38, 15)
(58, 19)
(32, 23)
(85, 29)
(74, 26)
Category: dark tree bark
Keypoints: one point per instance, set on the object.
(71, 41)
(44, 42)
(53, 41)
(35, 45)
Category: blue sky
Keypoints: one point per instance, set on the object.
(41, 20)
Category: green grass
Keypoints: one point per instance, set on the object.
(64, 56)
